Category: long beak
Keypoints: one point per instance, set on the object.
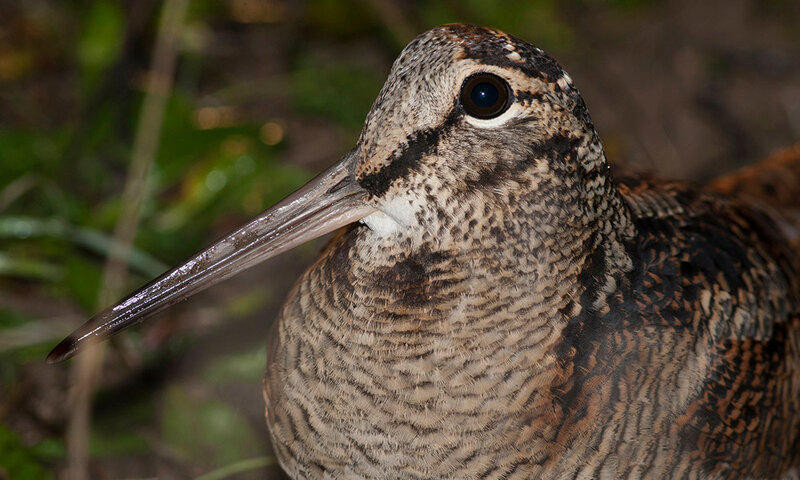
(331, 200)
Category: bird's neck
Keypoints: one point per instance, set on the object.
(513, 260)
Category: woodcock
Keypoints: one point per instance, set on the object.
(499, 306)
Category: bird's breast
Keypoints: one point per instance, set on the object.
(417, 359)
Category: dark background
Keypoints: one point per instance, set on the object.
(266, 93)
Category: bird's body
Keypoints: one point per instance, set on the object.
(550, 325)
(506, 308)
(430, 364)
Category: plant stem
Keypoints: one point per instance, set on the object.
(86, 369)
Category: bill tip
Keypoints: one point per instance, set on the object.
(61, 352)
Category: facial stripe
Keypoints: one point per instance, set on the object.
(406, 158)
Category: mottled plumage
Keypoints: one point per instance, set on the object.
(505, 308)
(531, 319)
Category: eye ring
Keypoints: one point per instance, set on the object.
(485, 95)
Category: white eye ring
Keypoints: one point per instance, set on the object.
(513, 111)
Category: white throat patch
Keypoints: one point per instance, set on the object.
(399, 213)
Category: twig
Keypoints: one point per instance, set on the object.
(86, 369)
(16, 189)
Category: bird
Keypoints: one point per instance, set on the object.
(498, 302)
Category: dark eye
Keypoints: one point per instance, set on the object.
(485, 95)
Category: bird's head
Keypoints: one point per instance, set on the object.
(470, 118)
(470, 122)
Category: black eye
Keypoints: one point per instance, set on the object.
(485, 95)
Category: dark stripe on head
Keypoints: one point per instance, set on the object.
(406, 158)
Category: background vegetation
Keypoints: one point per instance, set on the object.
(266, 93)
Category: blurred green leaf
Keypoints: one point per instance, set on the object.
(101, 38)
(247, 367)
(206, 430)
(249, 302)
(30, 269)
(24, 338)
(16, 460)
(10, 319)
(50, 449)
(23, 228)
(115, 433)
(82, 282)
(122, 442)
(344, 93)
(25, 151)
(205, 175)
(33, 333)
(241, 466)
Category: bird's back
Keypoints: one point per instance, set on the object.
(699, 346)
